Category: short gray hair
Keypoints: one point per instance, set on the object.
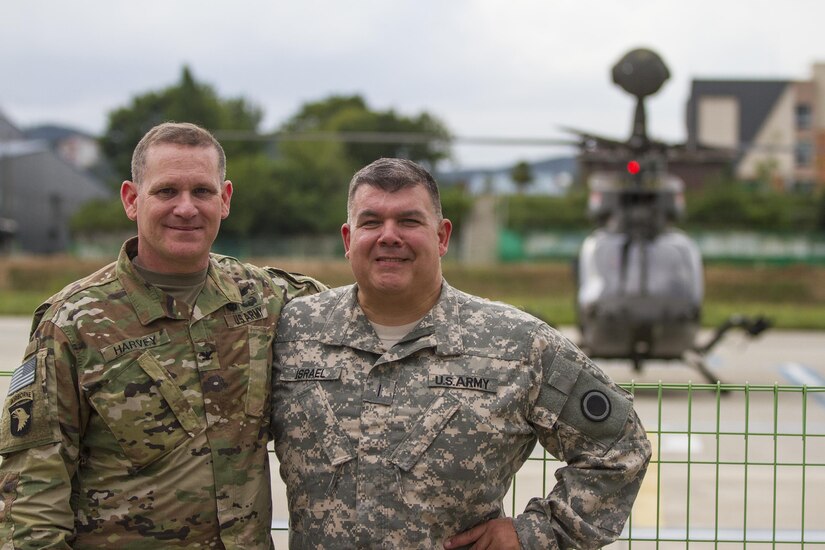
(393, 174)
(176, 133)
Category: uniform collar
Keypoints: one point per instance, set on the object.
(150, 303)
(347, 325)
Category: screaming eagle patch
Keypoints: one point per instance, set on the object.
(20, 416)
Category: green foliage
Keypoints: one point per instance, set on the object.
(352, 114)
(521, 175)
(724, 205)
(289, 196)
(456, 204)
(304, 193)
(101, 216)
(819, 216)
(186, 101)
(730, 205)
(527, 213)
(299, 191)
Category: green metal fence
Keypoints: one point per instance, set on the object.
(734, 466)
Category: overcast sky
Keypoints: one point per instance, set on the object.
(506, 68)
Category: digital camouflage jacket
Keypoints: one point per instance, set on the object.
(403, 448)
(136, 421)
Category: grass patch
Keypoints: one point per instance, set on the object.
(21, 302)
(793, 297)
(782, 316)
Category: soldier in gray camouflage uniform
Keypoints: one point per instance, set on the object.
(402, 407)
(140, 415)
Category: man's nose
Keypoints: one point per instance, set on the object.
(185, 206)
(390, 234)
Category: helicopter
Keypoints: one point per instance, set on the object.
(639, 278)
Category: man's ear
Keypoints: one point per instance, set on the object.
(226, 195)
(345, 235)
(128, 196)
(445, 229)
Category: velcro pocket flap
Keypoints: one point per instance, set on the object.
(171, 393)
(144, 409)
(432, 422)
(558, 386)
(322, 418)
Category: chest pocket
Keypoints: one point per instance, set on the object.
(145, 410)
(419, 439)
(260, 359)
(324, 423)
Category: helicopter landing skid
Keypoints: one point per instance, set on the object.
(697, 360)
(695, 357)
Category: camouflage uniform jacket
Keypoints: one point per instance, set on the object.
(136, 421)
(403, 448)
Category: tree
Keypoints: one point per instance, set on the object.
(300, 190)
(340, 114)
(188, 101)
(819, 219)
(522, 176)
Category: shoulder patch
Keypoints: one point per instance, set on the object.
(596, 409)
(21, 415)
(596, 406)
(29, 414)
(23, 375)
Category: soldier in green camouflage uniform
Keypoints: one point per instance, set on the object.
(402, 407)
(139, 417)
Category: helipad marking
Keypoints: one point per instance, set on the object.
(804, 375)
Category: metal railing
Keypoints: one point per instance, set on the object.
(734, 466)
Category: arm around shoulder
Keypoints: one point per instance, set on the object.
(295, 284)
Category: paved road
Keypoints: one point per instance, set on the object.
(683, 500)
(784, 357)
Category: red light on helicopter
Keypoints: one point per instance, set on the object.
(633, 167)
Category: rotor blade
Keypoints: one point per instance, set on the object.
(389, 137)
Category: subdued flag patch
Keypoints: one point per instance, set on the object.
(23, 376)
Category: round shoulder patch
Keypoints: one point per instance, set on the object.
(595, 406)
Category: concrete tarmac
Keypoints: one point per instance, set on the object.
(763, 486)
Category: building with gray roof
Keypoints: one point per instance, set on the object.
(39, 193)
(776, 128)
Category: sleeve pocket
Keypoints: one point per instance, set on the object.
(30, 415)
(8, 494)
(560, 379)
(596, 410)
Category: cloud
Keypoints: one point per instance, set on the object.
(485, 67)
